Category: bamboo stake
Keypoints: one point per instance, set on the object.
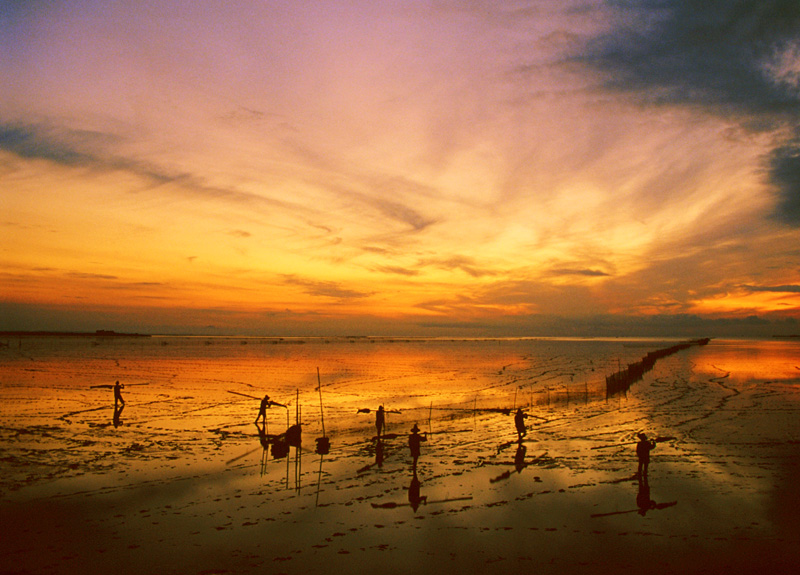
(321, 412)
(430, 415)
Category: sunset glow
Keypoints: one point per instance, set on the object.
(426, 168)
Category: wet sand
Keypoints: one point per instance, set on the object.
(183, 485)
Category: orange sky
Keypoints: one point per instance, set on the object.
(399, 167)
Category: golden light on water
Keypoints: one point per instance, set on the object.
(183, 463)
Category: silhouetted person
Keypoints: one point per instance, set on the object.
(118, 395)
(262, 411)
(414, 497)
(519, 421)
(414, 441)
(117, 413)
(643, 449)
(380, 421)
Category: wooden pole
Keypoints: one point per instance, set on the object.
(321, 412)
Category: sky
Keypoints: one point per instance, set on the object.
(431, 168)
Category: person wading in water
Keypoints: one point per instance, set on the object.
(118, 395)
(519, 421)
(414, 441)
(262, 411)
(380, 421)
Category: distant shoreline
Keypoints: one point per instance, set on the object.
(98, 333)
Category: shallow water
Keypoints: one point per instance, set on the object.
(184, 473)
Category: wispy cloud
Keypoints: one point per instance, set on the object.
(777, 289)
(397, 270)
(466, 264)
(579, 272)
(403, 213)
(29, 143)
(91, 276)
(326, 289)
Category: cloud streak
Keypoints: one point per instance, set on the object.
(777, 289)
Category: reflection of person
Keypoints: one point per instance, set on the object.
(379, 453)
(414, 441)
(117, 413)
(414, 497)
(643, 449)
(118, 395)
(380, 421)
(519, 421)
(519, 458)
(262, 411)
(262, 436)
(643, 501)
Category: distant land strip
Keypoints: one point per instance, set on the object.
(99, 332)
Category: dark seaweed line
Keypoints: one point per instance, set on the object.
(622, 380)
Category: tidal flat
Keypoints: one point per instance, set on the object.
(181, 479)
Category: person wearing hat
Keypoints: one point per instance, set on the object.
(643, 449)
(414, 441)
(262, 410)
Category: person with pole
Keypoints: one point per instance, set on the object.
(519, 421)
(118, 395)
(380, 421)
(414, 442)
(262, 410)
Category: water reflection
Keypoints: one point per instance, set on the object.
(323, 445)
(278, 446)
(117, 414)
(644, 502)
(414, 497)
(745, 360)
(519, 463)
(519, 457)
(379, 453)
